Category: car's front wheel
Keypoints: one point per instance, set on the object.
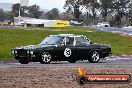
(94, 57)
(45, 58)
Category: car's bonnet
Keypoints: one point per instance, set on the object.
(30, 47)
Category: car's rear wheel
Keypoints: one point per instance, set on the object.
(45, 58)
(94, 57)
(23, 62)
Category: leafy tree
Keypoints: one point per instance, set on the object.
(129, 13)
(42, 16)
(105, 8)
(25, 11)
(34, 11)
(49, 15)
(2, 15)
(92, 7)
(15, 10)
(52, 14)
(73, 7)
(66, 16)
(55, 13)
(9, 16)
(120, 8)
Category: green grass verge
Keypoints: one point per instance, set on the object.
(10, 38)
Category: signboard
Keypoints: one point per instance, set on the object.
(59, 23)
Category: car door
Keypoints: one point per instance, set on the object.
(66, 49)
(70, 49)
(59, 50)
(83, 47)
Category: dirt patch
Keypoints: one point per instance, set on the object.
(56, 77)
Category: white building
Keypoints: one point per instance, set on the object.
(40, 22)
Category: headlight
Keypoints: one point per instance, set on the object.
(12, 51)
(28, 51)
(31, 52)
(15, 51)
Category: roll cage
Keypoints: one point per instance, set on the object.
(75, 40)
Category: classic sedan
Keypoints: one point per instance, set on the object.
(62, 47)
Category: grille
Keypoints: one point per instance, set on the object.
(22, 52)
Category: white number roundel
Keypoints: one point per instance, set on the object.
(67, 52)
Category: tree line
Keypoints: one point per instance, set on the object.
(116, 12)
(29, 11)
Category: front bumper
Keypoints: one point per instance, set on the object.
(24, 55)
(29, 58)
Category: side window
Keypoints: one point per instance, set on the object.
(80, 40)
(60, 41)
(69, 40)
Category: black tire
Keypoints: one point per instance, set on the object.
(94, 57)
(23, 62)
(45, 58)
(81, 80)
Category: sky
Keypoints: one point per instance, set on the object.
(44, 4)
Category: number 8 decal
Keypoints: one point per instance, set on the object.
(67, 52)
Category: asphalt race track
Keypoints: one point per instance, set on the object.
(126, 31)
(107, 62)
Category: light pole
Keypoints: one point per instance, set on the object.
(19, 13)
(22, 3)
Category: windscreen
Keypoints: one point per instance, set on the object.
(52, 40)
